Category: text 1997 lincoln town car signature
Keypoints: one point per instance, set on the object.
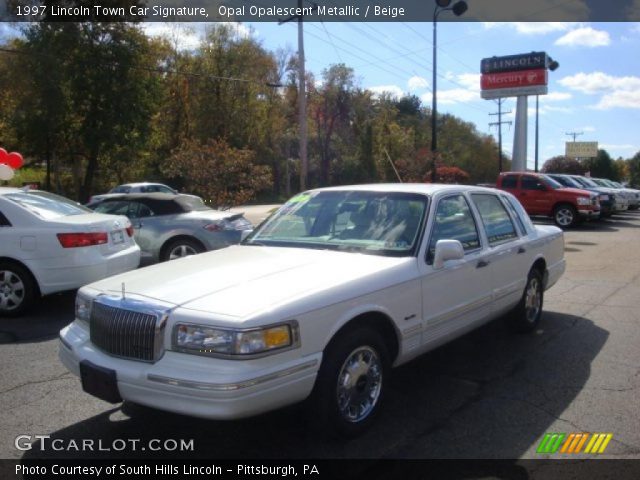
(336, 287)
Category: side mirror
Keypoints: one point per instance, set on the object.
(542, 187)
(447, 250)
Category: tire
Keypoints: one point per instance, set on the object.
(526, 316)
(180, 247)
(349, 390)
(18, 289)
(565, 216)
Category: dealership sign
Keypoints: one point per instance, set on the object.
(514, 75)
(581, 149)
(512, 63)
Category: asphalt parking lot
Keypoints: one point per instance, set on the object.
(490, 394)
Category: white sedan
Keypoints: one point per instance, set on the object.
(50, 244)
(336, 287)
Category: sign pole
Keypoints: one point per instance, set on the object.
(520, 136)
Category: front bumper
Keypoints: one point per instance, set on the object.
(195, 385)
(589, 214)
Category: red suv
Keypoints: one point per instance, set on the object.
(539, 194)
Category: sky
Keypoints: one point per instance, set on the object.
(595, 92)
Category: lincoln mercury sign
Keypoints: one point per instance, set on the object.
(581, 149)
(514, 75)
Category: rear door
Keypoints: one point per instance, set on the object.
(508, 253)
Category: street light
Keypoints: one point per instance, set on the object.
(458, 9)
(551, 65)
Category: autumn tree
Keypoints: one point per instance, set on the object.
(562, 164)
(222, 175)
(633, 165)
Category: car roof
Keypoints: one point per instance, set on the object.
(160, 203)
(421, 188)
(140, 184)
(5, 190)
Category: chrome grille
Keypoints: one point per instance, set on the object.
(125, 333)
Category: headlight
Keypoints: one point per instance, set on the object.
(205, 340)
(584, 201)
(83, 307)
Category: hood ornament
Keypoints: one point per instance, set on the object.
(123, 297)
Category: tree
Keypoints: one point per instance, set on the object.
(602, 166)
(562, 164)
(90, 98)
(449, 175)
(634, 170)
(331, 111)
(237, 178)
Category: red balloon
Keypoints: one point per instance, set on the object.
(14, 160)
(4, 156)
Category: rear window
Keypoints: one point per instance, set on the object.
(120, 189)
(47, 205)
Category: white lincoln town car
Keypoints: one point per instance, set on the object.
(335, 288)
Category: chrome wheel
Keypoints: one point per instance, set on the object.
(564, 217)
(12, 291)
(359, 384)
(180, 251)
(532, 300)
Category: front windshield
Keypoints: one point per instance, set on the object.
(47, 205)
(567, 181)
(587, 182)
(383, 223)
(552, 183)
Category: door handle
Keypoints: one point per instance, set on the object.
(482, 263)
(522, 250)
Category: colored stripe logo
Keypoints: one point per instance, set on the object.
(574, 443)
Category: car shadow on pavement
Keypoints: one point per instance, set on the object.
(42, 323)
(488, 394)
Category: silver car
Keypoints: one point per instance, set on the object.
(169, 226)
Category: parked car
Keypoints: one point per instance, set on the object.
(168, 226)
(632, 195)
(336, 287)
(50, 244)
(542, 195)
(620, 202)
(139, 187)
(605, 196)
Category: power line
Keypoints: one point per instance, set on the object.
(574, 135)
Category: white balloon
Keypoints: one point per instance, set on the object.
(6, 172)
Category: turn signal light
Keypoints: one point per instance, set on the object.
(73, 240)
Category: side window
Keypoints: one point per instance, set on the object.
(139, 210)
(113, 208)
(531, 183)
(495, 218)
(163, 189)
(453, 221)
(515, 215)
(4, 221)
(509, 181)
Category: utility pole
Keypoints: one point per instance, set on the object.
(302, 99)
(499, 123)
(574, 135)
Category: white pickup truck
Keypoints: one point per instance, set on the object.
(318, 303)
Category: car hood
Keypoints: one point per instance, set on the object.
(240, 281)
(576, 191)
